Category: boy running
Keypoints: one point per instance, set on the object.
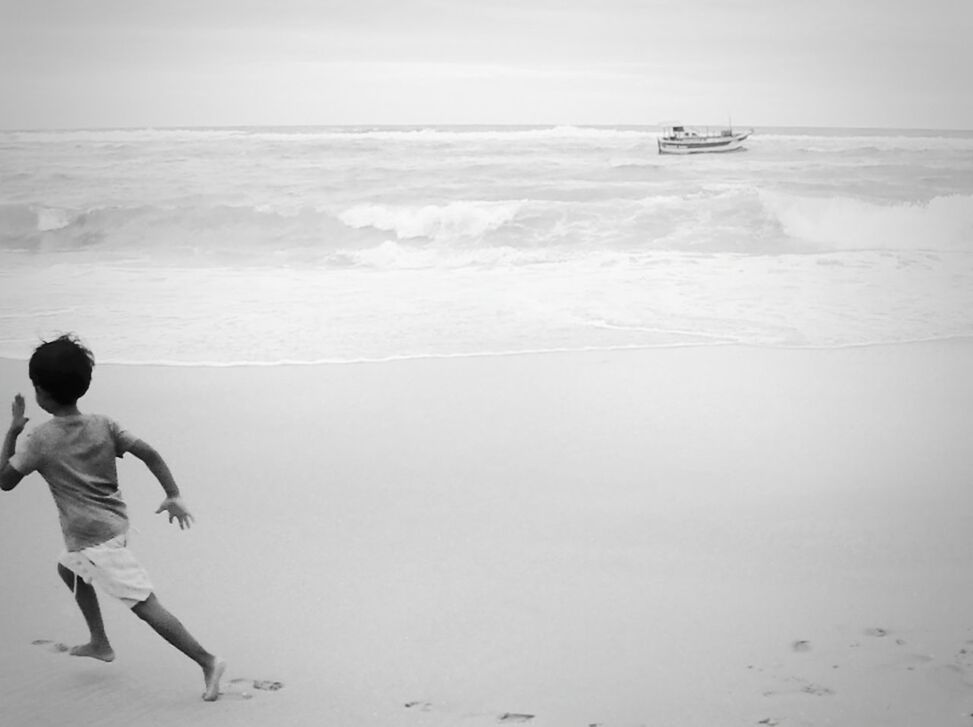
(75, 453)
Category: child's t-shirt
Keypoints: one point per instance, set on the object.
(76, 456)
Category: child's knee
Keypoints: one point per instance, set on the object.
(147, 609)
(67, 575)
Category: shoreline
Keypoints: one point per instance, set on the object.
(959, 339)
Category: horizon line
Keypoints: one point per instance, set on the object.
(465, 125)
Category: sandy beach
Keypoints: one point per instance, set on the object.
(693, 537)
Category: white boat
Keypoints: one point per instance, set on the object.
(678, 139)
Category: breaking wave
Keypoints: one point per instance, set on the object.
(842, 223)
(743, 220)
(435, 222)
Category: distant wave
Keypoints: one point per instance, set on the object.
(379, 133)
(797, 139)
(203, 229)
(866, 143)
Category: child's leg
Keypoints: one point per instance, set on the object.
(172, 630)
(98, 647)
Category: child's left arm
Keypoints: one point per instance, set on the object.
(9, 476)
(173, 503)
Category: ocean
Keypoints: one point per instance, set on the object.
(222, 246)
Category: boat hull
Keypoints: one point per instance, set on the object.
(702, 144)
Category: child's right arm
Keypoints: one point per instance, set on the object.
(9, 476)
(173, 503)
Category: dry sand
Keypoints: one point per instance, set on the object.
(692, 537)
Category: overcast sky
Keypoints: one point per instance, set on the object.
(885, 63)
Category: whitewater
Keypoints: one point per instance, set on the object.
(338, 244)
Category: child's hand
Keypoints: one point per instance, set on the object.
(17, 411)
(177, 510)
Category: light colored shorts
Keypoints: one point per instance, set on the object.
(112, 567)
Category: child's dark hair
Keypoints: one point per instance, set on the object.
(62, 368)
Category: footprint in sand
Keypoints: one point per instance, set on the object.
(240, 687)
(55, 646)
(817, 690)
(266, 685)
(506, 717)
(801, 686)
(964, 657)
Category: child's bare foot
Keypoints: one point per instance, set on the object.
(103, 652)
(212, 675)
